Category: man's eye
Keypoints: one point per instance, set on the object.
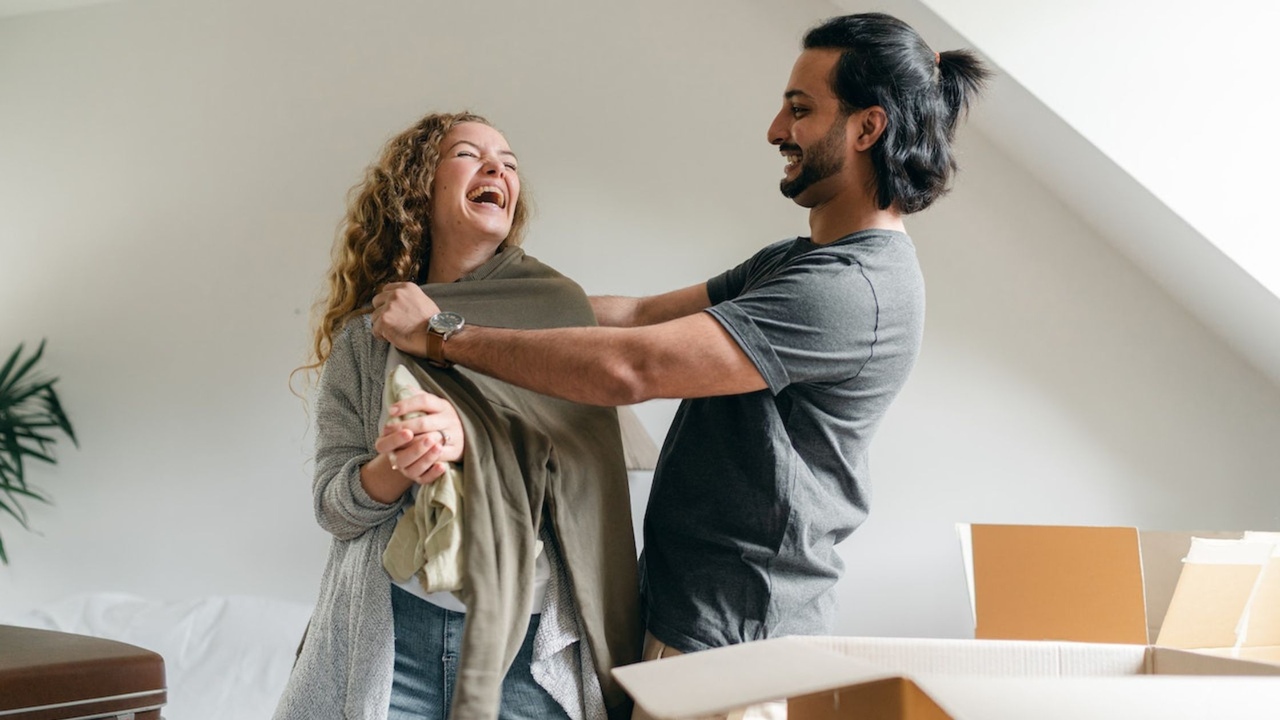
(797, 111)
(511, 166)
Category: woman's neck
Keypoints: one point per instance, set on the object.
(450, 262)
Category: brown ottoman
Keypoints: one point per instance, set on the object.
(46, 675)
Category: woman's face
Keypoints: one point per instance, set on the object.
(476, 186)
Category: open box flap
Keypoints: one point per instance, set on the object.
(1162, 555)
(1260, 624)
(1005, 658)
(1226, 661)
(1098, 698)
(1213, 593)
(1045, 582)
(717, 681)
(965, 532)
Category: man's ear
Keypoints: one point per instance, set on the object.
(866, 126)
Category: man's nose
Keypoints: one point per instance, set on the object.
(777, 130)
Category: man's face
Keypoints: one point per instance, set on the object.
(810, 130)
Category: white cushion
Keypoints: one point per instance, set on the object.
(226, 657)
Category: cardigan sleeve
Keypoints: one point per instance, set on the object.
(346, 420)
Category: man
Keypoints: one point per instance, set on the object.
(787, 363)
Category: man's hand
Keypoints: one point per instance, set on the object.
(400, 315)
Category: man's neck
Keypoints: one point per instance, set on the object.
(831, 221)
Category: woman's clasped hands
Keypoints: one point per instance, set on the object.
(423, 434)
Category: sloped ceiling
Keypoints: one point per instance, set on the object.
(1155, 235)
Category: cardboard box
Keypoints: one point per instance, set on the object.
(912, 679)
(1228, 599)
(1214, 592)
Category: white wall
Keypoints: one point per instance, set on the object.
(1179, 94)
(171, 178)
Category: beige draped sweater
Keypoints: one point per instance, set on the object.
(533, 451)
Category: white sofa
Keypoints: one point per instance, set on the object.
(226, 657)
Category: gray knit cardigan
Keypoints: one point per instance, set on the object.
(345, 667)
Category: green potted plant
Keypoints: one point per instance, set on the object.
(30, 414)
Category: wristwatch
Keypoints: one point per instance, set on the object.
(441, 327)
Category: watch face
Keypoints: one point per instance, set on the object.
(446, 322)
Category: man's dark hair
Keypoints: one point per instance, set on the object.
(885, 62)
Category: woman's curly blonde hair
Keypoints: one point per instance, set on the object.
(386, 235)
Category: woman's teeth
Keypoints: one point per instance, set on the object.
(488, 194)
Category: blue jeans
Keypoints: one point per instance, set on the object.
(428, 640)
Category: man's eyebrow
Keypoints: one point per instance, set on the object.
(793, 94)
(477, 148)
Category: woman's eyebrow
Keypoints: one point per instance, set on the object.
(477, 148)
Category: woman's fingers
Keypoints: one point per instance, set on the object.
(423, 402)
(433, 473)
(393, 439)
(437, 426)
(419, 425)
(425, 454)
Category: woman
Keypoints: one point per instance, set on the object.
(548, 599)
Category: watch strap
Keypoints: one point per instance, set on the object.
(435, 349)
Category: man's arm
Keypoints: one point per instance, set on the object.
(693, 356)
(690, 356)
(616, 311)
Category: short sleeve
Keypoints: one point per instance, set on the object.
(811, 320)
(733, 282)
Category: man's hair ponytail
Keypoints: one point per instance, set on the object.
(961, 76)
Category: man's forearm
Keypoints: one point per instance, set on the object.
(587, 365)
(630, 312)
(615, 310)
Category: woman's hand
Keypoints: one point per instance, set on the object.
(400, 315)
(419, 447)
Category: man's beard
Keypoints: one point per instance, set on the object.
(824, 159)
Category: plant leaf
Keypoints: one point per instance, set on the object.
(29, 409)
(58, 415)
(10, 491)
(24, 450)
(8, 365)
(17, 449)
(24, 432)
(13, 456)
(18, 395)
(7, 469)
(16, 510)
(22, 370)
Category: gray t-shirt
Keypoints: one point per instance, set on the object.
(752, 492)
